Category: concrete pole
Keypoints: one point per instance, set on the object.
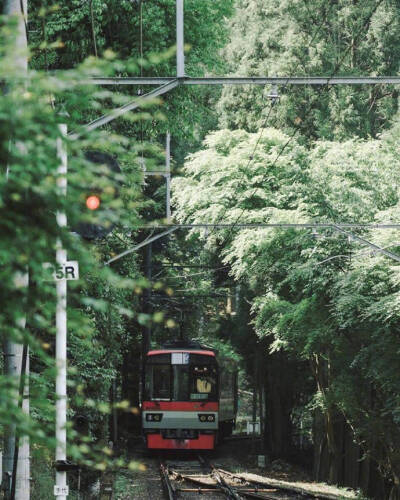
(13, 352)
(61, 488)
(147, 298)
(19, 8)
(180, 56)
(168, 176)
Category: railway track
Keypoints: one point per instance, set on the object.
(199, 478)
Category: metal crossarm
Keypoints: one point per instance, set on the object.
(130, 106)
(140, 245)
(250, 80)
(376, 248)
(277, 225)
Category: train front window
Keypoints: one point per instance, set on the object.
(203, 382)
(158, 382)
(181, 378)
(180, 374)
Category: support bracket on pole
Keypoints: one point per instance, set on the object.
(140, 245)
(378, 249)
(130, 106)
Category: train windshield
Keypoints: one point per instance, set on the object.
(194, 380)
(158, 382)
(203, 382)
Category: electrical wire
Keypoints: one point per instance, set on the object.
(358, 254)
(297, 127)
(197, 274)
(316, 32)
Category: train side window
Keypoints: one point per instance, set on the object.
(158, 382)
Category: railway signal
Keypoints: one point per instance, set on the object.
(93, 202)
(99, 201)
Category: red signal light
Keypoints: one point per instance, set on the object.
(93, 202)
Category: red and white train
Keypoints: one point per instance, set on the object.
(189, 397)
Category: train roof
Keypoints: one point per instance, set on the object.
(190, 351)
(190, 346)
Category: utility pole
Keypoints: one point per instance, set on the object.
(61, 488)
(16, 460)
(147, 296)
(16, 466)
(168, 176)
(180, 55)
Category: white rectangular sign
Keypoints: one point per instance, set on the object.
(67, 271)
(60, 491)
(180, 358)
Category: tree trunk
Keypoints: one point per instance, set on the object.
(278, 406)
(128, 423)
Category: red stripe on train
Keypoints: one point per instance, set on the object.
(206, 353)
(180, 406)
(204, 442)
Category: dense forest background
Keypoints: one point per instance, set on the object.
(314, 315)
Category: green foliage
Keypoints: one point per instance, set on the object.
(321, 298)
(104, 306)
(313, 38)
(101, 305)
(144, 31)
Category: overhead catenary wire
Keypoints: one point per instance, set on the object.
(338, 227)
(358, 254)
(270, 225)
(245, 80)
(197, 274)
(297, 127)
(273, 102)
(235, 224)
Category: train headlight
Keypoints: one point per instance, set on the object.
(207, 417)
(153, 417)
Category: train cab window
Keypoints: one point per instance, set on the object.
(180, 382)
(203, 382)
(158, 382)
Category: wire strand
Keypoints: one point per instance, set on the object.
(310, 106)
(267, 118)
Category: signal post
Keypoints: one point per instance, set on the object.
(61, 487)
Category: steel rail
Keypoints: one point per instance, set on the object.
(248, 80)
(224, 486)
(250, 489)
(221, 483)
(169, 490)
(260, 493)
(231, 492)
(295, 490)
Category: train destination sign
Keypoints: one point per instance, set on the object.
(180, 358)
